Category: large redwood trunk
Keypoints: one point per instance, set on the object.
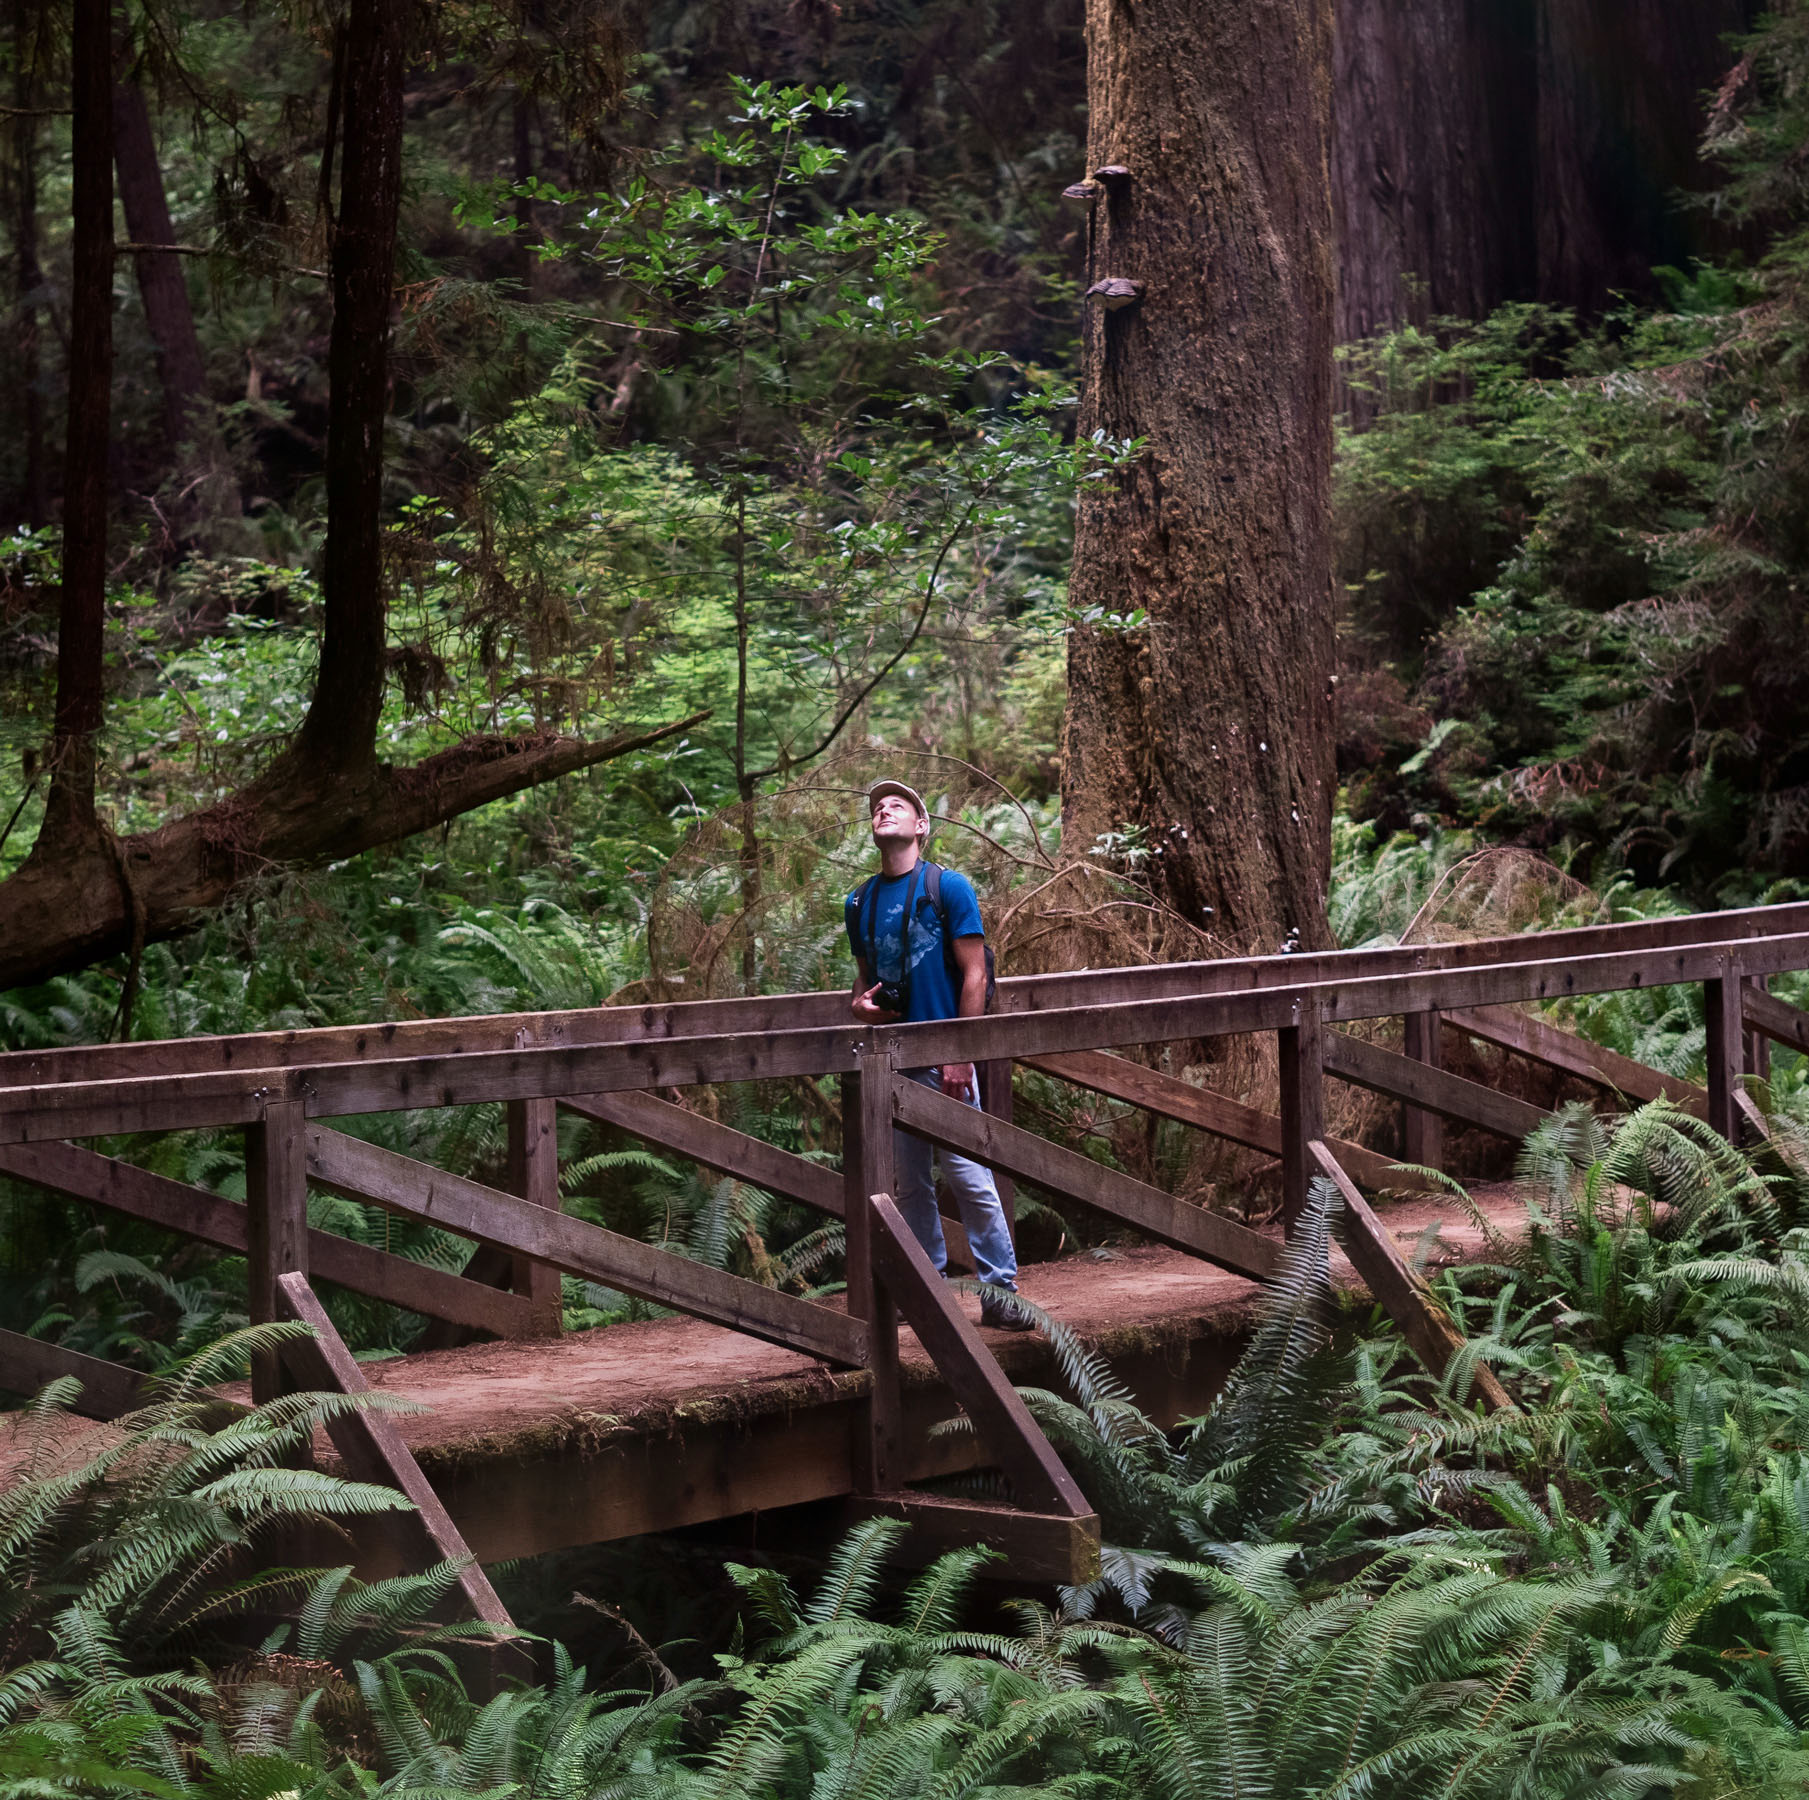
(1621, 113)
(1208, 729)
(28, 276)
(1433, 126)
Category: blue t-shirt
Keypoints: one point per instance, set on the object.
(875, 934)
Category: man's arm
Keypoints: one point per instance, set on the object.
(970, 959)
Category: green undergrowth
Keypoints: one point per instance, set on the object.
(1344, 1580)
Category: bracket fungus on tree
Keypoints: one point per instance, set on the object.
(1082, 194)
(1115, 292)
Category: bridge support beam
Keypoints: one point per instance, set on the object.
(1423, 1133)
(533, 1173)
(1302, 1105)
(1726, 1023)
(276, 1195)
(869, 1167)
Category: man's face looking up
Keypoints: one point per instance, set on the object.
(895, 820)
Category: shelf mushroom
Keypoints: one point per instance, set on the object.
(1115, 292)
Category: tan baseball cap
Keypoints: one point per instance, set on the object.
(880, 789)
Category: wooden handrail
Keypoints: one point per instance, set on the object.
(123, 1187)
(1187, 1227)
(161, 1103)
(467, 1034)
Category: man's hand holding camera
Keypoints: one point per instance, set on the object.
(867, 1005)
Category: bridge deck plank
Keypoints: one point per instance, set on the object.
(604, 1434)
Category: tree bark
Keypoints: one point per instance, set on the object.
(162, 287)
(1433, 128)
(1209, 727)
(69, 812)
(28, 275)
(338, 741)
(1621, 113)
(64, 912)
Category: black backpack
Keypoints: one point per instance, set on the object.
(932, 886)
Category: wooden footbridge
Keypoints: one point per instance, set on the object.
(536, 1441)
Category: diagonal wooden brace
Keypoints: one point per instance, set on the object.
(995, 1406)
(1427, 1327)
(372, 1446)
(1170, 1221)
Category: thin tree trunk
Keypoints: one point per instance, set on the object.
(1207, 730)
(339, 737)
(81, 897)
(69, 813)
(162, 286)
(28, 275)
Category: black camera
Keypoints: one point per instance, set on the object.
(890, 996)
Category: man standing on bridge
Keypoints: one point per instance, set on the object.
(915, 931)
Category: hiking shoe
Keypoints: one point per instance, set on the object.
(999, 1311)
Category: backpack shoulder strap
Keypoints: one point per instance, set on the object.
(862, 895)
(932, 885)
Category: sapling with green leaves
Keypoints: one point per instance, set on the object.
(843, 496)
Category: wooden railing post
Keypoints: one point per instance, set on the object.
(996, 1098)
(1423, 1139)
(1725, 1050)
(1302, 1106)
(872, 1166)
(1756, 1054)
(533, 1173)
(276, 1201)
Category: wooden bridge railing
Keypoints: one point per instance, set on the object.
(605, 1063)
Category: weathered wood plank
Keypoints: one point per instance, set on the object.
(963, 1361)
(730, 1152)
(124, 1188)
(1559, 1049)
(1034, 1159)
(372, 1446)
(89, 1109)
(1430, 1331)
(533, 1174)
(716, 1146)
(1302, 1107)
(1422, 1133)
(108, 1388)
(1778, 1019)
(1752, 1116)
(276, 1222)
(1401, 1078)
(1207, 1111)
(872, 1169)
(697, 1018)
(366, 1172)
(1052, 1547)
(998, 1098)
(1725, 1049)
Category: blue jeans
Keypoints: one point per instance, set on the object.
(982, 1214)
